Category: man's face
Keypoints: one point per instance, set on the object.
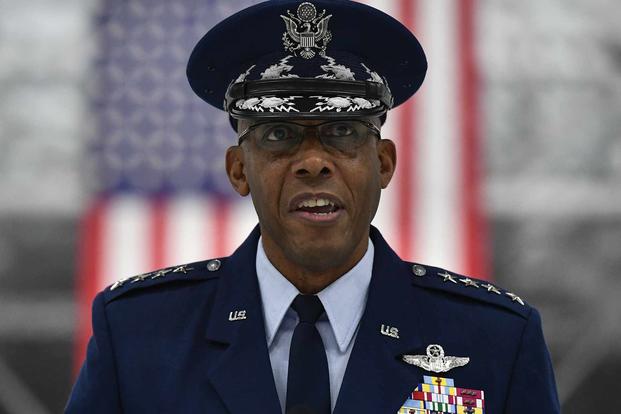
(313, 202)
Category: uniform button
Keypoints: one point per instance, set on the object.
(213, 265)
(419, 270)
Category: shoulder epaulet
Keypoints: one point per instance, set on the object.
(204, 270)
(441, 279)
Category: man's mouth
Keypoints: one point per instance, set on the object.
(321, 206)
(317, 208)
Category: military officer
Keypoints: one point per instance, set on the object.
(313, 313)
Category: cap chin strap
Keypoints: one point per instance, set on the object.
(304, 86)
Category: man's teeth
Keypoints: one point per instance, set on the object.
(316, 202)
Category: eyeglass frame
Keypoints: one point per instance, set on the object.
(369, 125)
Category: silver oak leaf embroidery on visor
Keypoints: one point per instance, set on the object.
(306, 31)
(335, 71)
(343, 103)
(268, 103)
(242, 77)
(279, 70)
(374, 76)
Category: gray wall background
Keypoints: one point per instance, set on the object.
(551, 72)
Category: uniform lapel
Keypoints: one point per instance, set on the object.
(240, 371)
(376, 379)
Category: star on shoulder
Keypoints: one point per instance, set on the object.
(203, 270)
(441, 279)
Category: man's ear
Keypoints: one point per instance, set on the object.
(235, 170)
(387, 154)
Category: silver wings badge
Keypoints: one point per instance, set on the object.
(306, 31)
(435, 361)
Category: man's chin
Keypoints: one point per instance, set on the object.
(321, 260)
(324, 252)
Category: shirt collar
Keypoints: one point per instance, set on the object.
(344, 300)
(277, 293)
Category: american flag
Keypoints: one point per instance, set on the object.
(156, 165)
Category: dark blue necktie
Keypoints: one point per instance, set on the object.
(308, 381)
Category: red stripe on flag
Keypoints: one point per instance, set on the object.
(221, 227)
(407, 183)
(88, 277)
(475, 225)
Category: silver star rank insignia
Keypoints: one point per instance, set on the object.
(446, 277)
(469, 282)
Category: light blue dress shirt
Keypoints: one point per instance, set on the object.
(344, 301)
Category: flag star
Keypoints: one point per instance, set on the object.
(491, 288)
(515, 298)
(469, 282)
(447, 277)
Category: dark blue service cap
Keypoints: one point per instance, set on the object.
(295, 59)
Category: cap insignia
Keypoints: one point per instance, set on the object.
(306, 31)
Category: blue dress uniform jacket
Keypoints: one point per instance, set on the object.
(179, 343)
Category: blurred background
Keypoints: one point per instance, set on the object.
(510, 169)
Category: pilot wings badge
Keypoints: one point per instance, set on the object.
(306, 31)
(435, 361)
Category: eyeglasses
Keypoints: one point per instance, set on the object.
(283, 136)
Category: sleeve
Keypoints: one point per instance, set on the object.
(532, 388)
(96, 389)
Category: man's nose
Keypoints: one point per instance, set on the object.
(312, 160)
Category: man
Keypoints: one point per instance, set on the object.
(314, 313)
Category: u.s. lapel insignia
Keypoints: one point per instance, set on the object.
(237, 315)
(306, 31)
(440, 395)
(435, 360)
(389, 331)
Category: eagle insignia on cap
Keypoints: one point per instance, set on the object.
(307, 31)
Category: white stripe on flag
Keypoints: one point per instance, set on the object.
(186, 237)
(243, 220)
(126, 245)
(438, 167)
(385, 219)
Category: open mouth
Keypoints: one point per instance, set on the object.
(320, 208)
